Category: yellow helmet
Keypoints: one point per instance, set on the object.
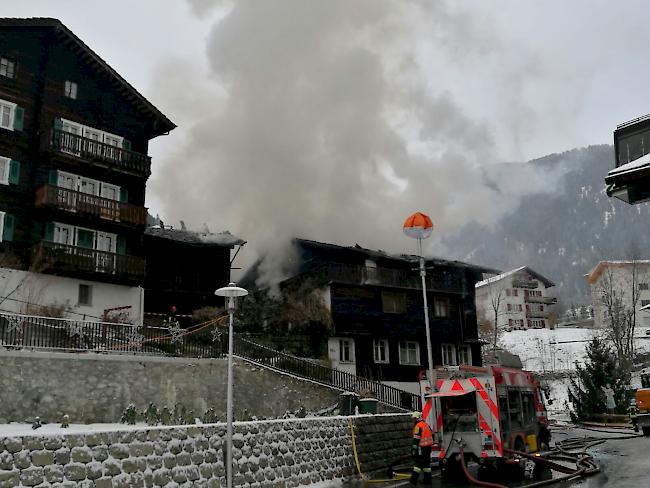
(416, 415)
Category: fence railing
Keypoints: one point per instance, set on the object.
(322, 374)
(34, 332)
(92, 150)
(93, 205)
(48, 333)
(52, 255)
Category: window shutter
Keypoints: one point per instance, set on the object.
(14, 172)
(19, 116)
(126, 144)
(124, 195)
(58, 125)
(53, 178)
(8, 232)
(121, 245)
(49, 231)
(85, 239)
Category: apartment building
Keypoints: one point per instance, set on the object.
(74, 138)
(518, 299)
(627, 283)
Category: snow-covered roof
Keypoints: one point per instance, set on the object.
(548, 283)
(595, 273)
(225, 238)
(631, 166)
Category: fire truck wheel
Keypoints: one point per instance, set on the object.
(646, 431)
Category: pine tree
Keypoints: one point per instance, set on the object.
(599, 370)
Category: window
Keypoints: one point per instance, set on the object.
(370, 270)
(643, 286)
(7, 113)
(464, 354)
(2, 226)
(448, 355)
(70, 89)
(345, 351)
(509, 307)
(4, 170)
(85, 295)
(515, 292)
(380, 348)
(393, 302)
(63, 234)
(7, 68)
(441, 307)
(409, 352)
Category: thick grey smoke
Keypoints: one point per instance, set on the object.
(315, 120)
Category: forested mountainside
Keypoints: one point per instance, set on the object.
(561, 232)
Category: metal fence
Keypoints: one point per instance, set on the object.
(57, 334)
(34, 332)
(319, 373)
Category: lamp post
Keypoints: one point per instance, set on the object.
(230, 292)
(419, 226)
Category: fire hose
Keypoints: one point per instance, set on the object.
(570, 450)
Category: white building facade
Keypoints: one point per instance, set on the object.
(29, 293)
(627, 281)
(518, 299)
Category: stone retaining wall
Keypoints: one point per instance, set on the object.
(94, 388)
(286, 453)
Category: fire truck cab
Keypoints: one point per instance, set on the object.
(487, 411)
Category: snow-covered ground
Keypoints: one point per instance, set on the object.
(547, 350)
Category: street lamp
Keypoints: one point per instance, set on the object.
(419, 226)
(230, 292)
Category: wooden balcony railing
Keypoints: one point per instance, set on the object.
(545, 300)
(362, 275)
(116, 157)
(537, 314)
(52, 256)
(92, 205)
(524, 283)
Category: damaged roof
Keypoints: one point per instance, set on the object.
(223, 239)
(382, 255)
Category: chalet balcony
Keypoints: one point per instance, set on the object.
(537, 314)
(90, 205)
(54, 257)
(91, 150)
(362, 275)
(544, 300)
(530, 284)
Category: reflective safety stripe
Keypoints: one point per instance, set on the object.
(416, 469)
(427, 470)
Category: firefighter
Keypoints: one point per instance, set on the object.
(422, 442)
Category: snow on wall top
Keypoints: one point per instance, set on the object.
(548, 283)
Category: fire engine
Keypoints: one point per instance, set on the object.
(489, 412)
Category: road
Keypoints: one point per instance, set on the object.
(624, 463)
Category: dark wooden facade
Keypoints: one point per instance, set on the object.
(45, 58)
(183, 269)
(358, 282)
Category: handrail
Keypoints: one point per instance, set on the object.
(325, 375)
(61, 334)
(85, 203)
(90, 149)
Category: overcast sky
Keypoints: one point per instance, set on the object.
(461, 84)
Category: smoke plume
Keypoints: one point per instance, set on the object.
(314, 119)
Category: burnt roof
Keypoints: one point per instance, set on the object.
(385, 256)
(221, 239)
(162, 124)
